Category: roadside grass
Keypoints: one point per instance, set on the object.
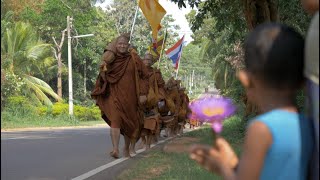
(161, 165)
(29, 120)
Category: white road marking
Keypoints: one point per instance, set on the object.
(27, 137)
(106, 166)
(9, 138)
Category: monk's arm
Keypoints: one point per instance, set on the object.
(108, 55)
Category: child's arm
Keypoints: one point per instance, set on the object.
(258, 140)
(221, 159)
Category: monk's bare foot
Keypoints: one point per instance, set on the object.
(126, 154)
(141, 145)
(133, 151)
(114, 154)
(155, 140)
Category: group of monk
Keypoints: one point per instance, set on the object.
(134, 99)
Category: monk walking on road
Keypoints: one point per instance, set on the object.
(117, 93)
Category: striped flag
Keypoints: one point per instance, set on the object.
(174, 53)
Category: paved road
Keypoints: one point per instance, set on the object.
(59, 154)
(54, 154)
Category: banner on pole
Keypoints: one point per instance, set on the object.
(155, 49)
(174, 53)
(153, 12)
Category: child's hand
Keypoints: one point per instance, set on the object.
(215, 159)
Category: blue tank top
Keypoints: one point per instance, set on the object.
(288, 156)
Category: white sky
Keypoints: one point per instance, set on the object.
(177, 14)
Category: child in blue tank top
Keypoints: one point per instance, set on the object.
(278, 143)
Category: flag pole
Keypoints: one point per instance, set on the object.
(178, 66)
(164, 41)
(134, 21)
(179, 59)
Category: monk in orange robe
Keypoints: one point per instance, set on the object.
(184, 110)
(117, 93)
(153, 88)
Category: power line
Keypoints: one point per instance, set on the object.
(195, 67)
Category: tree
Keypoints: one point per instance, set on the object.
(58, 53)
(254, 12)
(86, 52)
(215, 17)
(24, 57)
(122, 13)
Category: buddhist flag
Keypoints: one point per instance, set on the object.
(154, 12)
(155, 49)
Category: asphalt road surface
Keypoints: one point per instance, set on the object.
(54, 154)
(62, 154)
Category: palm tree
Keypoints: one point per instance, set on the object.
(24, 56)
(214, 53)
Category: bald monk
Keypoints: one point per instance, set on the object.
(117, 93)
(153, 88)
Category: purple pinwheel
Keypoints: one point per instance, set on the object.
(212, 109)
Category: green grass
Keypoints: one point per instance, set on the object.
(160, 165)
(11, 120)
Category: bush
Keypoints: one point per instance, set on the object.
(10, 86)
(86, 113)
(235, 91)
(59, 108)
(80, 112)
(42, 111)
(19, 105)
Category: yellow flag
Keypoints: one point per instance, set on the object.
(154, 12)
(155, 49)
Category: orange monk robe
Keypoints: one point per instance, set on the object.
(120, 108)
(184, 108)
(155, 82)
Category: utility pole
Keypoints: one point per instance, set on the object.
(192, 78)
(85, 78)
(69, 22)
(190, 82)
(69, 26)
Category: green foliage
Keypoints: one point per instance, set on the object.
(6, 21)
(87, 114)
(86, 52)
(80, 112)
(123, 16)
(24, 56)
(235, 91)
(10, 120)
(178, 165)
(292, 14)
(230, 14)
(10, 86)
(19, 105)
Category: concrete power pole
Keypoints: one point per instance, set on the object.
(69, 26)
(69, 22)
(192, 78)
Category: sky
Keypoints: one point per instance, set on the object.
(177, 14)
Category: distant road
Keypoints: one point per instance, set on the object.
(54, 154)
(59, 154)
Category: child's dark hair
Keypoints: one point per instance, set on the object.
(274, 53)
